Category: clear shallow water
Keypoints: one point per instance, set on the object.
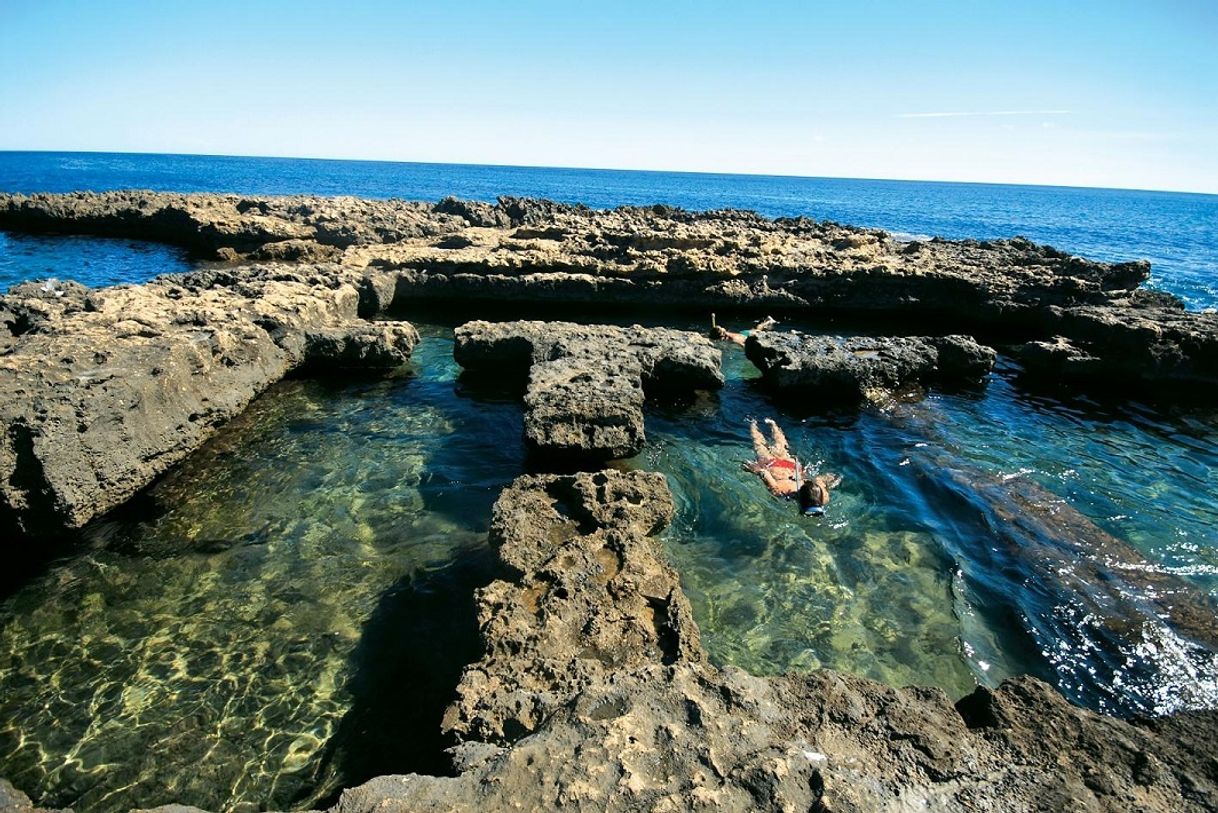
(285, 613)
(1177, 232)
(288, 611)
(917, 573)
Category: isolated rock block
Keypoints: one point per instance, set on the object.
(586, 383)
(585, 405)
(859, 368)
(367, 345)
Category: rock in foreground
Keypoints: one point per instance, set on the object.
(586, 383)
(102, 391)
(594, 694)
(859, 368)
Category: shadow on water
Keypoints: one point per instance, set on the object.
(405, 670)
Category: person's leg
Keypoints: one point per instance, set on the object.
(765, 324)
(759, 445)
(781, 449)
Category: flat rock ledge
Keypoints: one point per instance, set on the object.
(859, 368)
(101, 391)
(537, 252)
(586, 383)
(1147, 349)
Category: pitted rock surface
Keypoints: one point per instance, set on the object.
(102, 391)
(538, 251)
(362, 346)
(861, 368)
(592, 598)
(641, 726)
(586, 383)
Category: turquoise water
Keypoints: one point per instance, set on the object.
(1177, 232)
(284, 614)
(288, 611)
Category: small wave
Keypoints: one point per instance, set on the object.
(910, 237)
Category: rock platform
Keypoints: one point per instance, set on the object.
(586, 383)
(593, 691)
(861, 368)
(541, 252)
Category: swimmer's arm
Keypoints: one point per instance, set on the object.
(769, 481)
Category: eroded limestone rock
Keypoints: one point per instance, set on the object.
(538, 251)
(102, 391)
(1137, 347)
(592, 598)
(586, 383)
(578, 703)
(861, 368)
(362, 346)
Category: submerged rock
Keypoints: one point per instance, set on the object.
(864, 368)
(586, 383)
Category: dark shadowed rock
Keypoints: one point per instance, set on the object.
(859, 368)
(1136, 348)
(586, 383)
(365, 345)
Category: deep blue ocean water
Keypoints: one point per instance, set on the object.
(269, 619)
(1177, 232)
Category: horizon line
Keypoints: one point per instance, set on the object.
(615, 169)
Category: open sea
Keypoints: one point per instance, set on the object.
(286, 612)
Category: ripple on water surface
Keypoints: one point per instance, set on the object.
(94, 261)
(288, 611)
(211, 654)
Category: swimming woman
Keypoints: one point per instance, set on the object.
(784, 476)
(724, 335)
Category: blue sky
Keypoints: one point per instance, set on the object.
(1081, 92)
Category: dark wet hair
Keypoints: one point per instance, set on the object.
(812, 498)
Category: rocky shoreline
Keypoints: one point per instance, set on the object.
(1069, 318)
(593, 690)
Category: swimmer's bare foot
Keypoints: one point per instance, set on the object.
(766, 323)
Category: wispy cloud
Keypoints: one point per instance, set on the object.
(980, 113)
